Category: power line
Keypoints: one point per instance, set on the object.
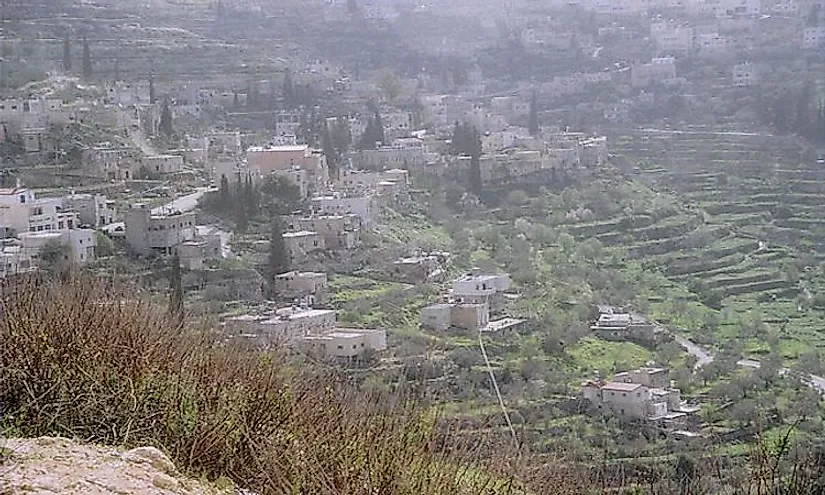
(495, 387)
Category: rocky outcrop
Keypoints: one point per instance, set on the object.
(57, 465)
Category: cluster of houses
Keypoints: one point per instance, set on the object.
(645, 394)
(469, 303)
(29, 224)
(315, 331)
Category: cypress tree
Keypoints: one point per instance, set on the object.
(87, 59)
(67, 54)
(533, 124)
(225, 194)
(166, 119)
(329, 152)
(176, 291)
(117, 69)
(289, 89)
(152, 95)
(379, 127)
(278, 261)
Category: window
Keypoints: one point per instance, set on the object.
(340, 347)
(60, 224)
(354, 346)
(22, 198)
(40, 228)
(624, 394)
(48, 227)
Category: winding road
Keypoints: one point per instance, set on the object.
(704, 357)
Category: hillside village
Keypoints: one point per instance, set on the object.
(600, 218)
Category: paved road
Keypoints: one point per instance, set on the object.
(183, 203)
(704, 357)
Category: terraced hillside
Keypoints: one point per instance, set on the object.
(748, 209)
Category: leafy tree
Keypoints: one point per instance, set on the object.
(176, 291)
(166, 119)
(55, 259)
(466, 140)
(104, 246)
(389, 83)
(280, 196)
(67, 54)
(533, 121)
(87, 59)
(278, 261)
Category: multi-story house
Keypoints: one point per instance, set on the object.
(363, 207)
(21, 211)
(155, 231)
(642, 394)
(300, 245)
(339, 232)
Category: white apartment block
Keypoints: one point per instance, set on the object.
(21, 211)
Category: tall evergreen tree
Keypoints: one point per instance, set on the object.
(278, 261)
(225, 194)
(288, 89)
(330, 153)
(87, 59)
(166, 119)
(117, 69)
(379, 127)
(533, 124)
(152, 96)
(176, 291)
(67, 54)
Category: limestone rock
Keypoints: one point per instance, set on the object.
(57, 465)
